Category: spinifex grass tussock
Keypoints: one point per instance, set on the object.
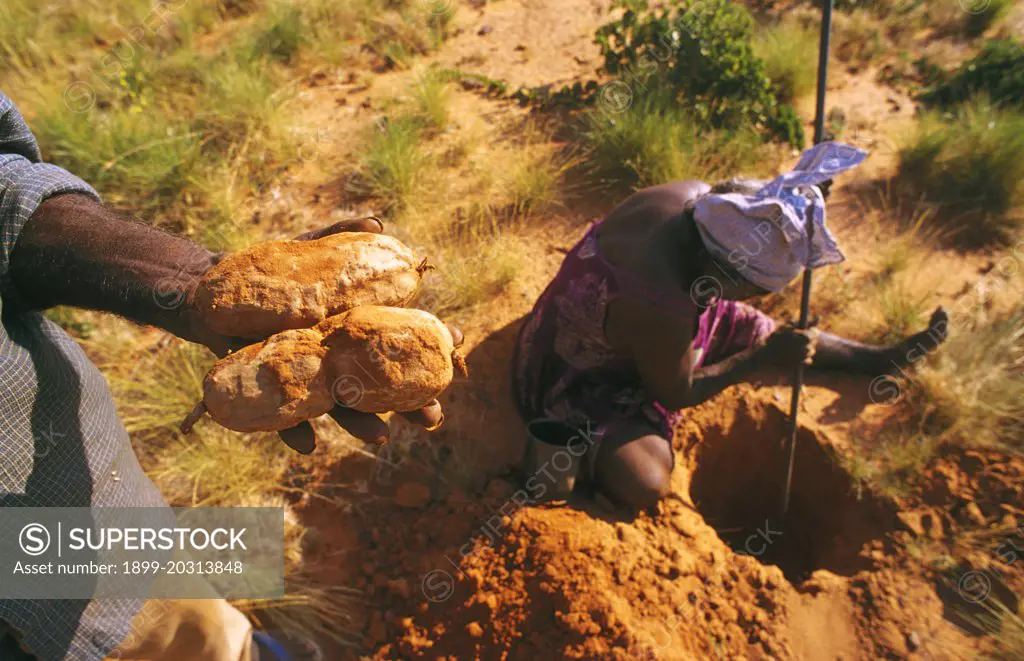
(968, 165)
(972, 393)
(309, 610)
(394, 161)
(654, 141)
(394, 31)
(893, 462)
(534, 177)
(34, 37)
(859, 38)
(902, 311)
(790, 54)
(431, 99)
(996, 73)
(470, 272)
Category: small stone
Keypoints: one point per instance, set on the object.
(413, 495)
(913, 641)
(474, 629)
(485, 30)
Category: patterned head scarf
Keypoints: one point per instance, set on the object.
(765, 235)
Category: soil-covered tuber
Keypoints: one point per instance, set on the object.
(371, 358)
(282, 285)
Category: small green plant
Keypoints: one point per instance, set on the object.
(790, 54)
(69, 319)
(968, 164)
(997, 73)
(394, 160)
(432, 98)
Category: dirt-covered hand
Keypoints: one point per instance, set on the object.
(788, 347)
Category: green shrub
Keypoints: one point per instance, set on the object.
(969, 165)
(699, 53)
(996, 72)
(790, 54)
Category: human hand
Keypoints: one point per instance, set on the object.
(301, 438)
(789, 346)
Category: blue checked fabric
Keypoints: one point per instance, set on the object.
(61, 442)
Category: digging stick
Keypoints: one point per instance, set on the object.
(805, 300)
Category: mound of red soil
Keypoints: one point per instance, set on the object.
(713, 573)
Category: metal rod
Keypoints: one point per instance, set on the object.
(805, 301)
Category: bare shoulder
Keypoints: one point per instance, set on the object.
(654, 205)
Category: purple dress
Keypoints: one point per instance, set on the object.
(565, 369)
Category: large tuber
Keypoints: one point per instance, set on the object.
(370, 358)
(281, 285)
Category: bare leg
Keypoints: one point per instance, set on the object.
(634, 464)
(836, 353)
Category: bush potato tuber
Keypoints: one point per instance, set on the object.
(281, 285)
(370, 358)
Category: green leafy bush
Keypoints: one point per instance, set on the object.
(997, 72)
(700, 53)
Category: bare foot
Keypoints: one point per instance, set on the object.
(920, 344)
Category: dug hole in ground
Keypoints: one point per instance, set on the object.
(463, 572)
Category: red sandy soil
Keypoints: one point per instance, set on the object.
(453, 567)
(451, 573)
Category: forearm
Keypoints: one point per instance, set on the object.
(837, 353)
(74, 251)
(709, 381)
